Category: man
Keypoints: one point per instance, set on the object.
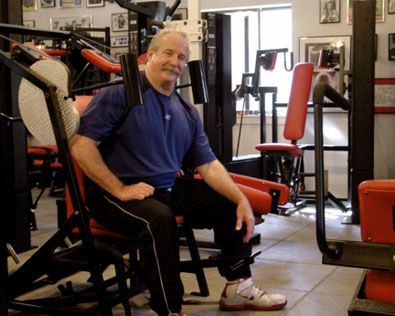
(134, 162)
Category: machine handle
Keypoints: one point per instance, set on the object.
(320, 91)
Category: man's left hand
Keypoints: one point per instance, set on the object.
(245, 215)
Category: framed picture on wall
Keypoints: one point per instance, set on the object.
(180, 14)
(119, 22)
(329, 11)
(29, 23)
(94, 3)
(391, 46)
(384, 95)
(310, 48)
(119, 41)
(116, 52)
(391, 6)
(70, 3)
(29, 5)
(379, 11)
(47, 3)
(70, 22)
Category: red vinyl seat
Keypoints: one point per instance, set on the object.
(376, 201)
(376, 204)
(380, 286)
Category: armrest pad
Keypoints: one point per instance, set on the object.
(261, 202)
(263, 185)
(100, 61)
(57, 52)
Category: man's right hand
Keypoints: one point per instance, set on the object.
(138, 191)
(86, 153)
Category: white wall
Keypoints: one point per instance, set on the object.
(305, 23)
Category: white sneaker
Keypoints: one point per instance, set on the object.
(244, 295)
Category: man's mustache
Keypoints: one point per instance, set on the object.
(171, 69)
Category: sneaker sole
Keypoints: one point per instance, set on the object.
(244, 307)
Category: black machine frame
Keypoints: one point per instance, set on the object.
(34, 268)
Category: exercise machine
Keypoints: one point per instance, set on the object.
(374, 295)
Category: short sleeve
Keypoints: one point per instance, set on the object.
(103, 114)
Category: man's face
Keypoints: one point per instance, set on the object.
(168, 61)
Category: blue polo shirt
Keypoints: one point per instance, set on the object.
(153, 141)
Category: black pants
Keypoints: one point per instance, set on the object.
(152, 223)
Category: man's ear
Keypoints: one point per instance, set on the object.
(150, 52)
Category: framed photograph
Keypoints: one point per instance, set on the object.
(181, 14)
(391, 46)
(116, 52)
(29, 23)
(47, 3)
(310, 48)
(70, 22)
(391, 6)
(119, 22)
(70, 3)
(330, 77)
(94, 3)
(379, 11)
(329, 11)
(384, 95)
(119, 41)
(29, 5)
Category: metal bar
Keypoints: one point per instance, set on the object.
(362, 111)
(262, 92)
(362, 255)
(21, 30)
(135, 8)
(22, 278)
(320, 91)
(98, 86)
(21, 70)
(83, 71)
(50, 310)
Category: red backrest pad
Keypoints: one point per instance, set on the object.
(298, 99)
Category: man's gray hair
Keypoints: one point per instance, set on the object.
(156, 40)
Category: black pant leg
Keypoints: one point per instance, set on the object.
(152, 224)
(203, 207)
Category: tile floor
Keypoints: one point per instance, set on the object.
(290, 264)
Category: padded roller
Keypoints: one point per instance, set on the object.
(33, 107)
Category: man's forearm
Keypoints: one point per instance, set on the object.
(217, 177)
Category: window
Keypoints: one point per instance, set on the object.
(261, 28)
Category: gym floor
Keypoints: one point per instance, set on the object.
(290, 264)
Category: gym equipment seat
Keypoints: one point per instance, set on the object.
(377, 215)
(286, 157)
